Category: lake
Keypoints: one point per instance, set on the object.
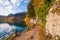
(6, 28)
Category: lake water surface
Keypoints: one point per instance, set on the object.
(6, 28)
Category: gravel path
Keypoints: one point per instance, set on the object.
(32, 34)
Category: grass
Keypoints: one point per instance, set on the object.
(42, 11)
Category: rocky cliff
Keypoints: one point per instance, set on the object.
(48, 13)
(53, 19)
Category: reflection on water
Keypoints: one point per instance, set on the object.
(6, 28)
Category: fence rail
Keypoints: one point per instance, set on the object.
(6, 35)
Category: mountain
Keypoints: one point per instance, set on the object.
(10, 15)
(1, 16)
(21, 14)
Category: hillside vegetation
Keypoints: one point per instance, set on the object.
(40, 9)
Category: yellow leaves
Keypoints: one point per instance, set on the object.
(26, 19)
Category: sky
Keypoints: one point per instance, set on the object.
(13, 6)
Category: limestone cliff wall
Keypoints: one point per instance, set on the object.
(53, 19)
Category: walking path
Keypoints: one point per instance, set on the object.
(32, 34)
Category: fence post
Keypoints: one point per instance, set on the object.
(15, 32)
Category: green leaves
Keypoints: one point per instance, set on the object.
(42, 11)
(31, 12)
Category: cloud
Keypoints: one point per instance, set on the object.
(6, 3)
(15, 2)
(7, 7)
(11, 6)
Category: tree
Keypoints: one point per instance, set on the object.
(31, 12)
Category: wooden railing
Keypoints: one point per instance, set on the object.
(8, 36)
(11, 37)
(5, 36)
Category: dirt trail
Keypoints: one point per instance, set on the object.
(32, 34)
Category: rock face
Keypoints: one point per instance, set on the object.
(53, 20)
(53, 24)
